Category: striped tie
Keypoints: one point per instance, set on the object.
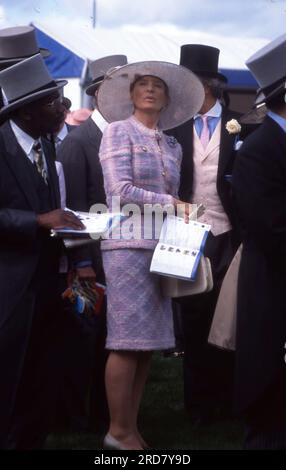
(39, 160)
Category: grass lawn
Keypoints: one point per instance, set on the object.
(163, 421)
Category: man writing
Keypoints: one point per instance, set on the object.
(30, 310)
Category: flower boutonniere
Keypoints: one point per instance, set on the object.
(233, 126)
(172, 141)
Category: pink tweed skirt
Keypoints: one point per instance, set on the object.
(139, 318)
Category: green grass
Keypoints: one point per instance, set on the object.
(163, 421)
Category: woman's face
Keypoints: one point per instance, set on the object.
(149, 94)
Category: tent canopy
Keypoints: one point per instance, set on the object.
(72, 43)
(62, 62)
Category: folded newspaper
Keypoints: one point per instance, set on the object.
(96, 226)
(180, 248)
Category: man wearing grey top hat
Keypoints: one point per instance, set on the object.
(259, 184)
(30, 311)
(18, 43)
(78, 154)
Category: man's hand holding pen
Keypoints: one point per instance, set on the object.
(58, 219)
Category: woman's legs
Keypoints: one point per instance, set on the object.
(125, 376)
(143, 366)
(119, 378)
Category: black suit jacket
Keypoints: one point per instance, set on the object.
(78, 154)
(184, 135)
(259, 184)
(19, 204)
(70, 127)
(21, 246)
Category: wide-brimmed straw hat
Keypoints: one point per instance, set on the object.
(268, 65)
(99, 67)
(26, 81)
(18, 43)
(186, 92)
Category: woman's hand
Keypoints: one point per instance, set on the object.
(183, 209)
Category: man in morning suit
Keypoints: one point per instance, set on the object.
(78, 154)
(259, 185)
(208, 156)
(31, 322)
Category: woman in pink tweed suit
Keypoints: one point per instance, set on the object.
(141, 165)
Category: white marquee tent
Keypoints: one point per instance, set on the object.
(158, 42)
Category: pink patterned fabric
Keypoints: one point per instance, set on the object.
(138, 317)
(140, 165)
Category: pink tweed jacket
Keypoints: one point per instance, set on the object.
(142, 166)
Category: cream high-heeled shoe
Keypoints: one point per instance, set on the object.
(110, 443)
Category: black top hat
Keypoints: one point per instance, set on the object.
(201, 60)
(18, 43)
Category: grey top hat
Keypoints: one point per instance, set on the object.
(186, 92)
(99, 67)
(26, 81)
(18, 43)
(268, 65)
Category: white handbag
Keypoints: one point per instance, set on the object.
(174, 287)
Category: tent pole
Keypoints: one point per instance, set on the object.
(93, 13)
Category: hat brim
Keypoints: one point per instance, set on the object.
(6, 110)
(91, 89)
(263, 97)
(260, 98)
(218, 75)
(254, 117)
(44, 53)
(186, 92)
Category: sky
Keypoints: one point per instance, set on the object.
(252, 18)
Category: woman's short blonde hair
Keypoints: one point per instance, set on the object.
(138, 77)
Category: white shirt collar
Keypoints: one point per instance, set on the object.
(63, 133)
(24, 140)
(99, 120)
(279, 119)
(215, 111)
